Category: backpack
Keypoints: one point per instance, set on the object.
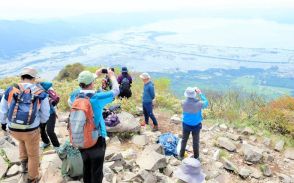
(82, 130)
(53, 97)
(125, 85)
(111, 120)
(23, 105)
(169, 143)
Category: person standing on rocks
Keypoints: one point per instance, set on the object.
(192, 118)
(148, 100)
(125, 82)
(92, 145)
(23, 108)
(47, 129)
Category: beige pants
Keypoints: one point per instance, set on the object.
(29, 150)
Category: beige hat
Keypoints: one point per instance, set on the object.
(145, 75)
(29, 71)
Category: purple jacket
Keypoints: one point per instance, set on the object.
(120, 78)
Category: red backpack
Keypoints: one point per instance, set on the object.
(82, 130)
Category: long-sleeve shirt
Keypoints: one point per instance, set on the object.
(148, 92)
(42, 114)
(98, 102)
(192, 110)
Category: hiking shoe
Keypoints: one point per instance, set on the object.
(143, 123)
(24, 166)
(155, 128)
(44, 145)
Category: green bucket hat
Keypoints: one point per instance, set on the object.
(86, 77)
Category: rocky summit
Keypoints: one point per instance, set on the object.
(226, 155)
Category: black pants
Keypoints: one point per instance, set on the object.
(48, 130)
(195, 135)
(125, 94)
(93, 159)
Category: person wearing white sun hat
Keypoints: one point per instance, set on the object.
(192, 118)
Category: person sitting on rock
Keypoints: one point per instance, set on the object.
(86, 114)
(148, 101)
(192, 118)
(24, 107)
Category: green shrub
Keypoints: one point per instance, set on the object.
(70, 72)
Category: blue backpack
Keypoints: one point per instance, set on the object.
(23, 105)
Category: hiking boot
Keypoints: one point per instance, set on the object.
(36, 180)
(44, 145)
(155, 128)
(24, 166)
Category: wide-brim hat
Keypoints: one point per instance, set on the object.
(145, 76)
(190, 92)
(29, 71)
(190, 171)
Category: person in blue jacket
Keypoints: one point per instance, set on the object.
(93, 157)
(148, 100)
(192, 118)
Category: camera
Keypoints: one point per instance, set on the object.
(104, 71)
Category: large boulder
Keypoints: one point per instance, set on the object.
(228, 165)
(252, 154)
(226, 143)
(140, 140)
(151, 160)
(128, 123)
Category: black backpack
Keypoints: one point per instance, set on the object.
(125, 85)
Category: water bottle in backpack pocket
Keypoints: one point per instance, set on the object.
(23, 105)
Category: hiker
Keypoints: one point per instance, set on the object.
(86, 115)
(125, 82)
(192, 118)
(148, 100)
(23, 107)
(47, 129)
(106, 84)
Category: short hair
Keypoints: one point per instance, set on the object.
(26, 76)
(83, 85)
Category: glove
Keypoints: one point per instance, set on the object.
(3, 126)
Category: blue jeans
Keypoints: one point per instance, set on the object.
(148, 112)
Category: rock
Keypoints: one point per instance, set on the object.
(233, 136)
(139, 111)
(140, 140)
(256, 173)
(213, 127)
(284, 178)
(127, 176)
(252, 154)
(252, 138)
(12, 154)
(108, 173)
(279, 145)
(216, 155)
(175, 119)
(4, 143)
(151, 160)
(244, 173)
(205, 151)
(155, 147)
(218, 165)
(115, 141)
(174, 161)
(223, 127)
(129, 154)
(148, 177)
(3, 167)
(266, 170)
(128, 123)
(268, 157)
(267, 141)
(247, 131)
(50, 169)
(168, 171)
(13, 179)
(226, 143)
(13, 170)
(116, 157)
(228, 165)
(289, 153)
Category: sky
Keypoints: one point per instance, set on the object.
(39, 9)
